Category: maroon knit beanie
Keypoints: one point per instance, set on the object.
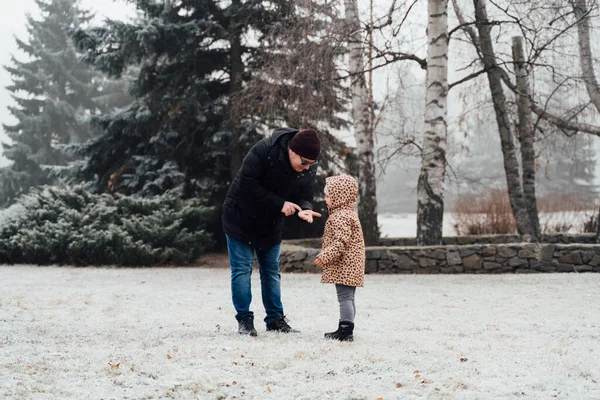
(306, 143)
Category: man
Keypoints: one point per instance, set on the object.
(275, 181)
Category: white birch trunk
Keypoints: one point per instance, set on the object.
(526, 135)
(430, 191)
(585, 52)
(361, 116)
(511, 165)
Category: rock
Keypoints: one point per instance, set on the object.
(405, 262)
(489, 251)
(564, 267)
(438, 254)
(467, 251)
(517, 262)
(371, 267)
(426, 262)
(453, 258)
(506, 252)
(586, 256)
(547, 252)
(542, 266)
(472, 262)
(595, 261)
(584, 268)
(526, 253)
(385, 265)
(491, 265)
(299, 255)
(571, 258)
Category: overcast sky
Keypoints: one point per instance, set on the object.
(12, 23)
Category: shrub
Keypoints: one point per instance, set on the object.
(484, 214)
(73, 226)
(491, 213)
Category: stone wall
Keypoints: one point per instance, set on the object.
(586, 238)
(452, 259)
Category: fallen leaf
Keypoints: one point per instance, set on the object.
(417, 376)
(112, 366)
(268, 389)
(175, 349)
(132, 368)
(234, 363)
(380, 398)
(241, 355)
(398, 385)
(160, 327)
(234, 383)
(416, 372)
(142, 282)
(213, 357)
(218, 308)
(463, 359)
(436, 389)
(595, 381)
(169, 356)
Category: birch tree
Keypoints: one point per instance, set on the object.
(363, 132)
(526, 135)
(494, 75)
(430, 189)
(581, 12)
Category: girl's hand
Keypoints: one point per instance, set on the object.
(308, 215)
(319, 263)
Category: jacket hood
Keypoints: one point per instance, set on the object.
(279, 132)
(342, 191)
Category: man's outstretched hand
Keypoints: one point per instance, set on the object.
(290, 208)
(308, 215)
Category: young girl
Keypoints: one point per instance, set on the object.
(342, 256)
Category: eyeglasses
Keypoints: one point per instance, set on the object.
(304, 161)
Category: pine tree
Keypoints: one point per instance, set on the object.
(179, 130)
(54, 94)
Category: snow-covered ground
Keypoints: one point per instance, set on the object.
(107, 333)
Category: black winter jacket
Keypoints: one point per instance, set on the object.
(252, 208)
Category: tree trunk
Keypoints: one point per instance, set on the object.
(361, 116)
(585, 52)
(511, 165)
(430, 190)
(526, 135)
(235, 148)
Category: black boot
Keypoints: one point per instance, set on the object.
(246, 326)
(344, 332)
(280, 324)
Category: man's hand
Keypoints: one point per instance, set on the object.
(290, 208)
(308, 215)
(319, 263)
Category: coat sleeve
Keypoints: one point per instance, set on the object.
(339, 240)
(304, 195)
(253, 168)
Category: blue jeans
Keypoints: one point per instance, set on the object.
(241, 258)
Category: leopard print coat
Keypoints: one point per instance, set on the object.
(343, 251)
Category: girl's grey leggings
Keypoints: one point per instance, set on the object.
(345, 296)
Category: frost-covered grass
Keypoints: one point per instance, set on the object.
(170, 333)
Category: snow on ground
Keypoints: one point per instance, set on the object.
(107, 333)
